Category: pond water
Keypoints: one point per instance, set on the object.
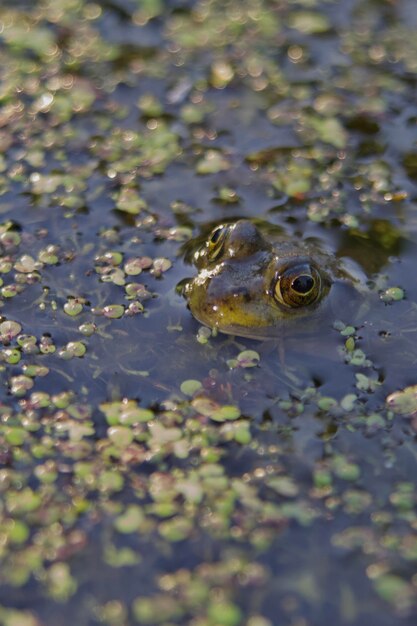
(151, 470)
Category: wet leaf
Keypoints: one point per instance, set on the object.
(11, 355)
(329, 130)
(49, 255)
(225, 413)
(160, 266)
(87, 329)
(19, 385)
(120, 436)
(345, 469)
(114, 311)
(309, 22)
(212, 162)
(25, 264)
(128, 201)
(73, 349)
(248, 358)
(392, 294)
(394, 590)
(131, 520)
(224, 614)
(61, 585)
(190, 387)
(9, 330)
(221, 74)
(73, 307)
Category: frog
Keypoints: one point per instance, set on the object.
(249, 286)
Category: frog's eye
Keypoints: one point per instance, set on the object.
(216, 241)
(298, 286)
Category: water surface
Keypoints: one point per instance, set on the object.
(151, 472)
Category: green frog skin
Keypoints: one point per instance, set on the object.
(249, 287)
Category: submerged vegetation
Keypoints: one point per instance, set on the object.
(152, 472)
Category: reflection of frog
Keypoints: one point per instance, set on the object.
(249, 287)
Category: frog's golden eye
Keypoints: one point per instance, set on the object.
(298, 286)
(216, 241)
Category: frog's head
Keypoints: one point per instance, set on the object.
(246, 286)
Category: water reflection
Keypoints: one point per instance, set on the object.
(372, 245)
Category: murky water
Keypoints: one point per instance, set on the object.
(152, 472)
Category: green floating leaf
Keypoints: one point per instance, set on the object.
(18, 532)
(130, 202)
(227, 196)
(248, 358)
(221, 74)
(137, 291)
(19, 385)
(325, 403)
(114, 311)
(11, 355)
(133, 267)
(345, 469)
(9, 330)
(126, 412)
(40, 40)
(111, 481)
(25, 264)
(73, 349)
(225, 413)
(158, 609)
(117, 277)
(9, 238)
(189, 387)
(121, 436)
(212, 162)
(242, 433)
(348, 402)
(46, 345)
(150, 105)
(87, 329)
(131, 520)
(176, 529)
(309, 22)
(366, 383)
(35, 370)
(284, 485)
(224, 613)
(394, 590)
(329, 130)
(12, 290)
(23, 501)
(49, 255)
(159, 266)
(295, 180)
(61, 585)
(73, 307)
(15, 435)
(322, 478)
(120, 557)
(392, 294)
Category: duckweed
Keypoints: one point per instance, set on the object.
(153, 471)
(190, 387)
(73, 307)
(392, 294)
